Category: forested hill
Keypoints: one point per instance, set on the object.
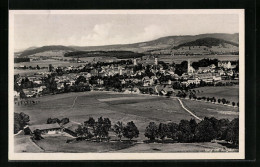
(208, 42)
(162, 43)
(44, 49)
(223, 43)
(117, 54)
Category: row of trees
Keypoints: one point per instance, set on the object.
(186, 131)
(191, 131)
(192, 95)
(100, 129)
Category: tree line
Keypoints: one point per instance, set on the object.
(187, 131)
(192, 95)
(190, 131)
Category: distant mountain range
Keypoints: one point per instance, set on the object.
(198, 44)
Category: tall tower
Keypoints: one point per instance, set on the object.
(155, 61)
(190, 68)
(135, 62)
(120, 71)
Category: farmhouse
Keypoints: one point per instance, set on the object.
(45, 128)
(70, 128)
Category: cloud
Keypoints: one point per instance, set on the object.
(108, 34)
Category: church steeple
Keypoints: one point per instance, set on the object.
(135, 62)
(190, 68)
(155, 61)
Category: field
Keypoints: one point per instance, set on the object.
(45, 63)
(178, 59)
(49, 144)
(141, 109)
(206, 109)
(230, 93)
(23, 143)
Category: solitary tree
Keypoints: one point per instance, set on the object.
(151, 131)
(130, 131)
(118, 129)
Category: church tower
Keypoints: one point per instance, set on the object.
(120, 71)
(155, 61)
(135, 62)
(190, 68)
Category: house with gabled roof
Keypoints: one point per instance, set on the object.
(45, 128)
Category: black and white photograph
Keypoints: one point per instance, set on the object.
(126, 84)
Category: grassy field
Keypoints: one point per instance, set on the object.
(23, 143)
(45, 63)
(204, 109)
(58, 144)
(141, 109)
(230, 93)
(177, 147)
(179, 59)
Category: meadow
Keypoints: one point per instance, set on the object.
(230, 93)
(179, 58)
(141, 109)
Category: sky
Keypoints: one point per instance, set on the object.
(106, 29)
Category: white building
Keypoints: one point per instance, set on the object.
(190, 69)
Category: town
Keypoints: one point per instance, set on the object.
(145, 75)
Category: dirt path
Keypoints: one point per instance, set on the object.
(188, 110)
(74, 102)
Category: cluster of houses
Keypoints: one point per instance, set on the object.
(210, 74)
